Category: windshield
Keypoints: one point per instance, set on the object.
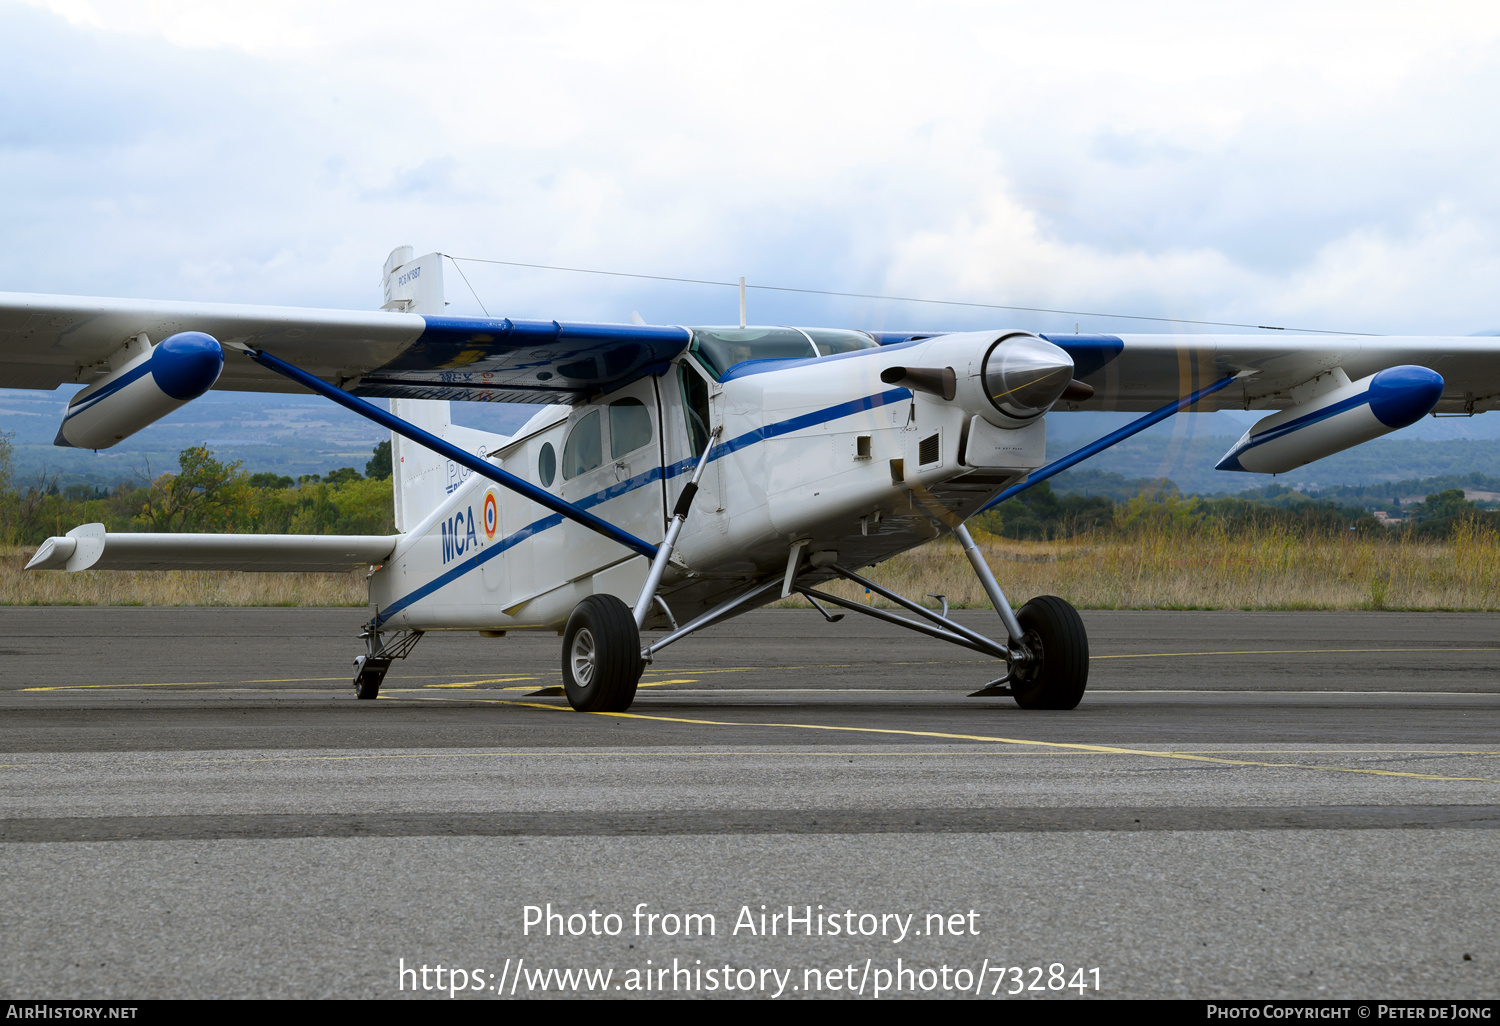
(839, 340)
(722, 348)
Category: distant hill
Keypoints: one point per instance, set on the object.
(1189, 462)
(294, 435)
(288, 435)
(1481, 489)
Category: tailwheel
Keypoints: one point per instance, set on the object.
(1058, 671)
(369, 673)
(601, 657)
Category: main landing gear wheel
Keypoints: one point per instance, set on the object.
(601, 657)
(1059, 668)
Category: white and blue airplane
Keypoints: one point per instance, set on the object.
(681, 476)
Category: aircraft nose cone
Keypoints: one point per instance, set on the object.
(1024, 376)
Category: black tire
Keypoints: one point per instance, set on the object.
(1060, 673)
(369, 678)
(601, 656)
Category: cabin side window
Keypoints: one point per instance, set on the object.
(629, 426)
(546, 465)
(585, 448)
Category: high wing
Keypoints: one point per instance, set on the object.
(47, 341)
(1140, 372)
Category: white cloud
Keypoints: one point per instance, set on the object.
(1326, 163)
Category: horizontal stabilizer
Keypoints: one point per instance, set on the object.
(91, 547)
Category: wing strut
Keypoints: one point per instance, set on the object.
(482, 467)
(1114, 437)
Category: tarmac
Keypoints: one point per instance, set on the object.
(1245, 805)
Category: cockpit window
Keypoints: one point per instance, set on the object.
(839, 340)
(722, 348)
(694, 407)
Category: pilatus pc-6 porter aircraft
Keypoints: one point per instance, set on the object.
(680, 476)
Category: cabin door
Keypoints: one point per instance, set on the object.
(611, 466)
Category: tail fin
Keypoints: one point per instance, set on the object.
(422, 478)
(419, 474)
(413, 284)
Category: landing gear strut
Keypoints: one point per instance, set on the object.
(370, 668)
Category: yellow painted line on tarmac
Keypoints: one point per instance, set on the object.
(163, 684)
(477, 683)
(288, 680)
(534, 753)
(186, 684)
(809, 666)
(1286, 651)
(1331, 751)
(1066, 746)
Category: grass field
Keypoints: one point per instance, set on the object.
(171, 587)
(1267, 568)
(1264, 569)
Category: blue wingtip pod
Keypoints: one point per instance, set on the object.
(176, 370)
(187, 364)
(1346, 416)
(1401, 396)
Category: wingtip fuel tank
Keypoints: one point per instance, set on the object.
(170, 374)
(1337, 419)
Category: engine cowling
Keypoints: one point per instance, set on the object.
(171, 374)
(1009, 379)
(1356, 412)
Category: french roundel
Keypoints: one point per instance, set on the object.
(491, 515)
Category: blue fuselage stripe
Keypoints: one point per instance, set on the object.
(655, 474)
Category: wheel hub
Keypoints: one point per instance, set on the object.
(583, 657)
(1027, 668)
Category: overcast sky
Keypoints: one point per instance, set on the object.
(1322, 165)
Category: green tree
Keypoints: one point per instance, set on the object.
(1039, 513)
(8, 497)
(205, 495)
(8, 461)
(341, 476)
(1443, 505)
(379, 467)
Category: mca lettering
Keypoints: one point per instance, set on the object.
(458, 535)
